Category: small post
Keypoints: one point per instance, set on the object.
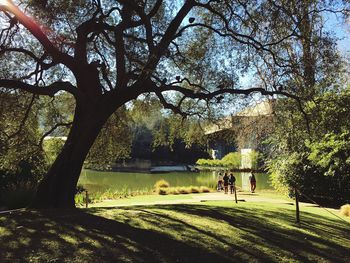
(86, 199)
(234, 189)
(297, 212)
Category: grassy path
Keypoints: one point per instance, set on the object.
(210, 231)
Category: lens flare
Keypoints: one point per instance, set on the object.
(4, 2)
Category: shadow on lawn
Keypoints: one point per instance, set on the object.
(157, 234)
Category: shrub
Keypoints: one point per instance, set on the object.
(162, 191)
(204, 189)
(194, 189)
(232, 160)
(183, 190)
(161, 184)
(79, 189)
(345, 210)
(18, 195)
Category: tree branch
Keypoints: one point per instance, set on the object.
(52, 130)
(36, 31)
(50, 90)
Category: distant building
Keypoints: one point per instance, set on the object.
(244, 131)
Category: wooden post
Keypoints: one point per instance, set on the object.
(234, 189)
(297, 212)
(86, 199)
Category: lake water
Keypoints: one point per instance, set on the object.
(97, 181)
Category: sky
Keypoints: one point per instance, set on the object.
(342, 31)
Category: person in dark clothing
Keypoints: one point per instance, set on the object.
(231, 182)
(252, 181)
(225, 178)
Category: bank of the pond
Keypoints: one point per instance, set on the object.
(98, 181)
(267, 196)
(264, 196)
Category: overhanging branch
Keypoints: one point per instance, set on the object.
(50, 90)
(36, 31)
(57, 125)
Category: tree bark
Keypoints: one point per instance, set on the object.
(57, 189)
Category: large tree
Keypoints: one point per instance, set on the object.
(107, 53)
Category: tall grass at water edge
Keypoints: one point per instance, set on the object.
(109, 194)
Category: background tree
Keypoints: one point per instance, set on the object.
(315, 73)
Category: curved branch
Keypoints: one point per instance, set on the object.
(52, 130)
(239, 38)
(50, 90)
(208, 96)
(176, 109)
(31, 55)
(166, 39)
(36, 31)
(82, 37)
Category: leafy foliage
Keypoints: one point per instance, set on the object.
(113, 142)
(318, 165)
(230, 160)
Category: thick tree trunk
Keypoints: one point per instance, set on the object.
(57, 189)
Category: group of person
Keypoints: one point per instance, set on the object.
(227, 181)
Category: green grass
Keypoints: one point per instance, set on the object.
(217, 231)
(144, 199)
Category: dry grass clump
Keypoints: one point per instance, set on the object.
(194, 189)
(162, 191)
(161, 184)
(204, 189)
(182, 190)
(345, 210)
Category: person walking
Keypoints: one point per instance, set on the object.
(226, 178)
(219, 187)
(252, 181)
(231, 182)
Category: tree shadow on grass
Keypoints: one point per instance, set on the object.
(44, 236)
(315, 239)
(169, 233)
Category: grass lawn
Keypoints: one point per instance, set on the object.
(216, 231)
(142, 199)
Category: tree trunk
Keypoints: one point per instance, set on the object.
(57, 189)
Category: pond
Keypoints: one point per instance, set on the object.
(97, 181)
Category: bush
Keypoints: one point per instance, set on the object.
(162, 191)
(161, 184)
(230, 160)
(204, 189)
(345, 210)
(194, 189)
(183, 190)
(18, 195)
(297, 170)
